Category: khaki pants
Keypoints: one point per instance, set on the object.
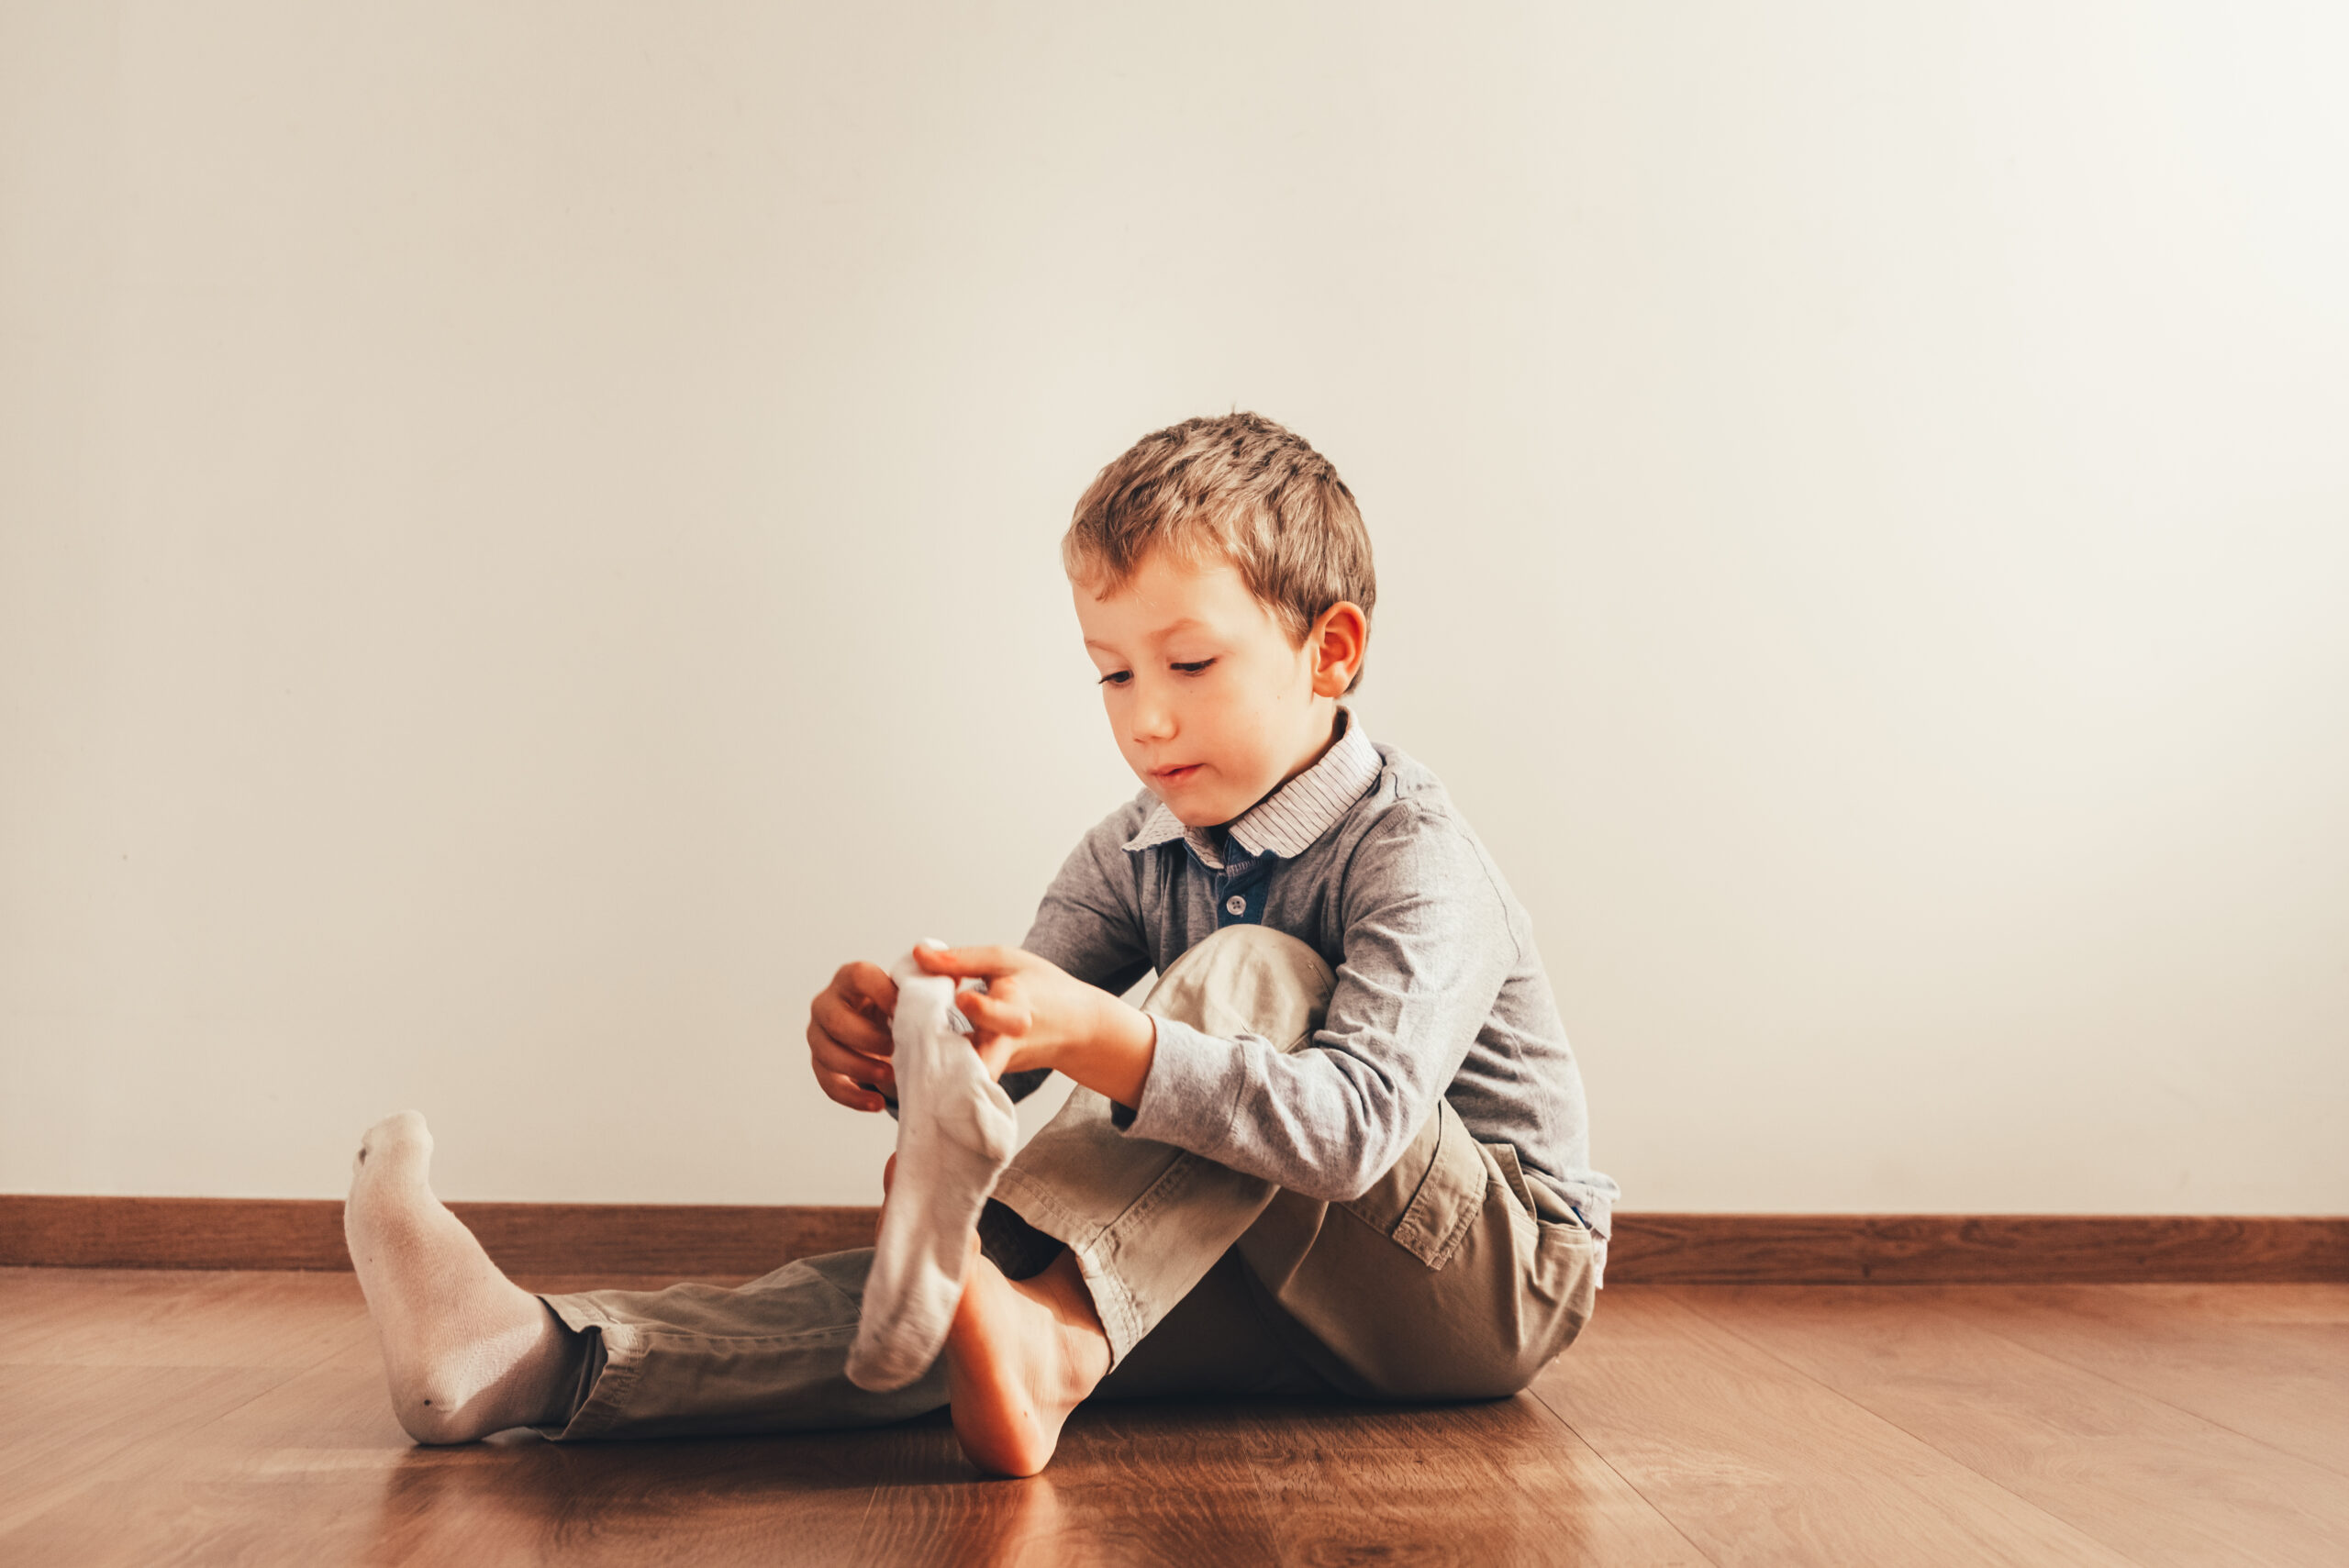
(1454, 1277)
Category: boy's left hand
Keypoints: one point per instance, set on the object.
(1035, 1013)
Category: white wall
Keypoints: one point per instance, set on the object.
(527, 537)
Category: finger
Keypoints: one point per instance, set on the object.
(849, 1092)
(864, 1076)
(869, 982)
(970, 964)
(832, 1013)
(828, 1055)
(994, 1013)
(996, 1055)
(831, 1056)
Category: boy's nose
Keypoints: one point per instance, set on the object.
(1153, 721)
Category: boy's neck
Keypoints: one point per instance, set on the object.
(1338, 719)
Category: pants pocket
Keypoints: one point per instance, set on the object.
(1427, 1202)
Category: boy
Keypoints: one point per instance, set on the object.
(1342, 1149)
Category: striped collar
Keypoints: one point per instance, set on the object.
(1287, 820)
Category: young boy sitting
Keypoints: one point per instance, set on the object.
(1342, 1149)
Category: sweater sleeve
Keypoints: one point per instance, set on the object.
(1427, 945)
(1090, 920)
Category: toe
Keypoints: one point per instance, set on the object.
(402, 1129)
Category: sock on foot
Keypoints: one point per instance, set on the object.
(955, 1131)
(466, 1351)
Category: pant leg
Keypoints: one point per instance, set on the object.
(1455, 1276)
(1221, 1338)
(1147, 1220)
(703, 1361)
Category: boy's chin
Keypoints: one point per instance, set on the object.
(1192, 812)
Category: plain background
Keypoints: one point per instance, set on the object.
(528, 536)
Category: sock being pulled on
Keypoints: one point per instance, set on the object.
(955, 1133)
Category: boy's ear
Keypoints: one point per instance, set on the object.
(1339, 638)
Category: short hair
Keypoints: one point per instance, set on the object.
(1236, 485)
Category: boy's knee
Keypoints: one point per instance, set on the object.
(1236, 951)
(1247, 979)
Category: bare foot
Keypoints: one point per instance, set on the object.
(467, 1352)
(1020, 1356)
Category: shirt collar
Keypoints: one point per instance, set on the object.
(1287, 821)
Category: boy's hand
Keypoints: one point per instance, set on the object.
(848, 1036)
(1035, 1013)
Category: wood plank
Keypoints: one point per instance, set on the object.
(1034, 1521)
(2271, 1369)
(65, 1429)
(1468, 1507)
(316, 1470)
(177, 1318)
(2148, 1479)
(1756, 1462)
(791, 1500)
(1274, 1428)
(515, 1500)
(1186, 1482)
(1381, 1503)
(332, 1415)
(55, 1231)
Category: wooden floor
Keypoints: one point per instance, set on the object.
(174, 1416)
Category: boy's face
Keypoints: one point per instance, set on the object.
(1212, 706)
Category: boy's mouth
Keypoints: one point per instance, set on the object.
(1175, 775)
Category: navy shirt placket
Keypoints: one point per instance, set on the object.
(1240, 889)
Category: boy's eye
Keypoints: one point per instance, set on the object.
(1188, 667)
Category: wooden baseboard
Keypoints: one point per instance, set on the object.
(1989, 1249)
(524, 1238)
(1648, 1249)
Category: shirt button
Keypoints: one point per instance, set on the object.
(1236, 904)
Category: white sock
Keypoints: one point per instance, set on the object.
(955, 1133)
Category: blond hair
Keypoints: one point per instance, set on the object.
(1236, 485)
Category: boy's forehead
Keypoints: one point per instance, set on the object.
(1165, 595)
(1186, 623)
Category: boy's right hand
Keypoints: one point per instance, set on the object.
(848, 1036)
